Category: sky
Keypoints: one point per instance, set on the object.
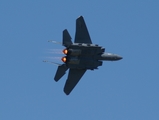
(123, 90)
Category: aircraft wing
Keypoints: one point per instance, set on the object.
(82, 34)
(73, 78)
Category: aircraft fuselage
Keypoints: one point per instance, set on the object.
(86, 56)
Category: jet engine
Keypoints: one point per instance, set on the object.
(70, 60)
(73, 61)
(74, 52)
(64, 59)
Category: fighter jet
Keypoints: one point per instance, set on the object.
(80, 56)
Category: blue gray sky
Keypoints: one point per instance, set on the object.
(122, 90)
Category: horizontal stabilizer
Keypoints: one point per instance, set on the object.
(66, 38)
(61, 70)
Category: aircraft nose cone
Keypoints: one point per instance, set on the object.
(119, 57)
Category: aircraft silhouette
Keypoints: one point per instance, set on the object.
(81, 56)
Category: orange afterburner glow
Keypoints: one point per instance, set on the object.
(65, 51)
(63, 59)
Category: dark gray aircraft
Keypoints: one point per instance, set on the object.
(81, 56)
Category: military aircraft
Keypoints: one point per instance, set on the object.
(80, 56)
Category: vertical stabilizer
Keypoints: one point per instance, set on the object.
(66, 38)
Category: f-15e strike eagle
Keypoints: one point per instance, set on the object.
(81, 56)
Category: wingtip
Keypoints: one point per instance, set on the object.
(80, 17)
(66, 93)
